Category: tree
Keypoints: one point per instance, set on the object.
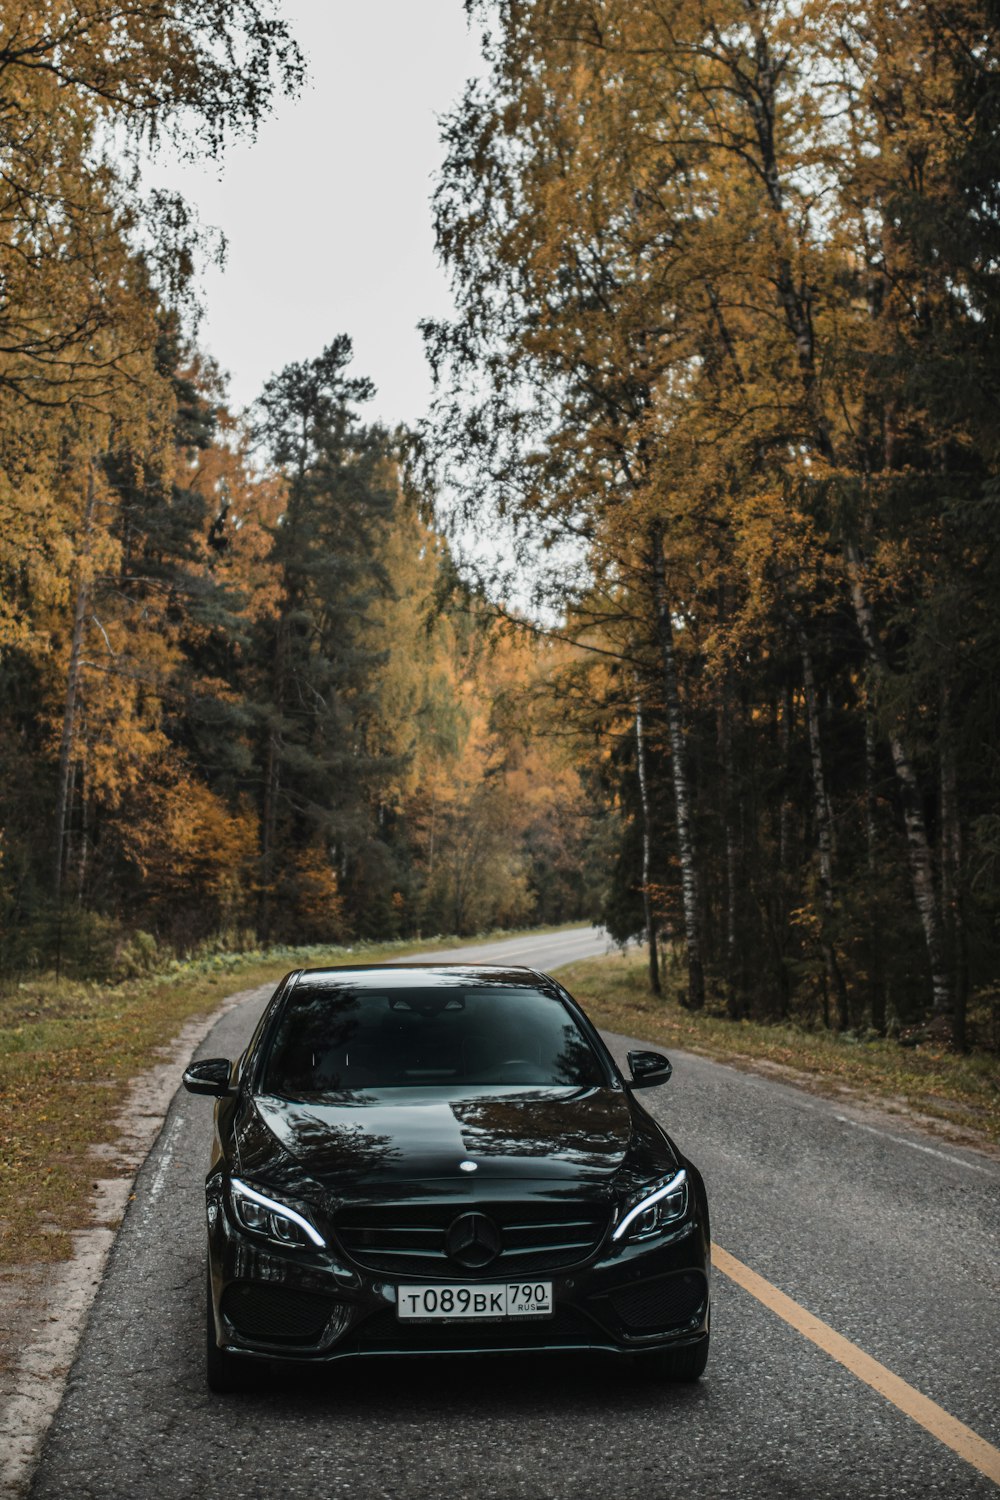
(338, 494)
(705, 258)
(75, 306)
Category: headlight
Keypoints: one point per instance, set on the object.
(266, 1216)
(656, 1210)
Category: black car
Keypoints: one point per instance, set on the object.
(444, 1159)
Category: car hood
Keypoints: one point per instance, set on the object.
(372, 1140)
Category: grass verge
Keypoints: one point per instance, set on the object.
(67, 1054)
(959, 1094)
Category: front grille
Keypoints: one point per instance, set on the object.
(276, 1314)
(566, 1328)
(666, 1302)
(410, 1240)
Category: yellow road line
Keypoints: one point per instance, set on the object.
(946, 1428)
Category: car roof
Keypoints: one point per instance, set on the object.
(380, 976)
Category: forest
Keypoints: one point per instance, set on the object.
(246, 698)
(723, 367)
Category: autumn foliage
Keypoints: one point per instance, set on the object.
(723, 363)
(728, 291)
(244, 697)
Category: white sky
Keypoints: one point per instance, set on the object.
(327, 214)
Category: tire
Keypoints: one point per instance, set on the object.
(225, 1373)
(686, 1364)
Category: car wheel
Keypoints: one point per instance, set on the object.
(685, 1364)
(225, 1373)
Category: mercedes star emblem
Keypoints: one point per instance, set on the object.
(473, 1240)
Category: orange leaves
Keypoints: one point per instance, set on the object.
(309, 892)
(182, 838)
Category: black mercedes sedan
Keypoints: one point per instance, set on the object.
(432, 1159)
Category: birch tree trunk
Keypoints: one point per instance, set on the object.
(777, 906)
(690, 883)
(647, 840)
(921, 863)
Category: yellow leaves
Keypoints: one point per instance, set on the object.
(311, 884)
(181, 837)
(30, 544)
(79, 314)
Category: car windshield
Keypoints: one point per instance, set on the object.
(335, 1037)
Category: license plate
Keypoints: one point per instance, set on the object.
(510, 1299)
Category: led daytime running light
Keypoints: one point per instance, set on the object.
(278, 1208)
(646, 1204)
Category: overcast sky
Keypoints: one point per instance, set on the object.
(327, 214)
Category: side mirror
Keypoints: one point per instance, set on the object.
(648, 1068)
(209, 1077)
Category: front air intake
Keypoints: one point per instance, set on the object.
(664, 1302)
(277, 1314)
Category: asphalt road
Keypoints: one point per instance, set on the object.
(888, 1237)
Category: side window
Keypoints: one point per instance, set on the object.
(249, 1052)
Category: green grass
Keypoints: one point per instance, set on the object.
(67, 1054)
(960, 1094)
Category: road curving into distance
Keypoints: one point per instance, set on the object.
(855, 1350)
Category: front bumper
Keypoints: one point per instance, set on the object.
(320, 1306)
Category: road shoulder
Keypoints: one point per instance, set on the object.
(44, 1308)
